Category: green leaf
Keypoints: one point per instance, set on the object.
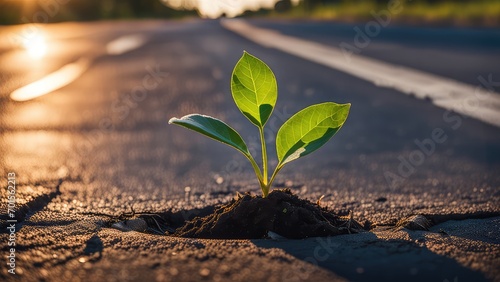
(213, 128)
(308, 130)
(254, 89)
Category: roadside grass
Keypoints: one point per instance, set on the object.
(462, 13)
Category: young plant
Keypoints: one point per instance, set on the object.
(255, 92)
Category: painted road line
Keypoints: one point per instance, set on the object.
(51, 82)
(474, 101)
(125, 44)
(70, 72)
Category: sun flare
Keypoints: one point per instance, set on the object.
(217, 8)
(35, 46)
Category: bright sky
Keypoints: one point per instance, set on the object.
(215, 8)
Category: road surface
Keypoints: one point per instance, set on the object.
(100, 143)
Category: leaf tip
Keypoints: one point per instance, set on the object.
(246, 54)
(344, 106)
(172, 120)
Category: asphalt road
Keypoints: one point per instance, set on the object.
(462, 54)
(105, 135)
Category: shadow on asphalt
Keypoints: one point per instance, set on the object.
(365, 257)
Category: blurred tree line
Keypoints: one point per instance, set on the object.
(322, 2)
(482, 12)
(41, 11)
(318, 3)
(454, 12)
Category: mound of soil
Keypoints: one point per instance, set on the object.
(252, 217)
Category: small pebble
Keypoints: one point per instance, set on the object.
(205, 272)
(173, 271)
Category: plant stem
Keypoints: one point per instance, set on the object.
(264, 187)
(255, 168)
(278, 168)
(264, 157)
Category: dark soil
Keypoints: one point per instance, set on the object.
(252, 217)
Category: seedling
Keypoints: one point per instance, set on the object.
(255, 92)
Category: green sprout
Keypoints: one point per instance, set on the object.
(255, 92)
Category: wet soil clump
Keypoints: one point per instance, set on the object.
(281, 212)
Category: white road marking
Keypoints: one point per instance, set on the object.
(125, 44)
(473, 101)
(70, 72)
(51, 82)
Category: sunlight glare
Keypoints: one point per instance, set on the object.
(35, 46)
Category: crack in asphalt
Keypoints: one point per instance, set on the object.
(179, 218)
(441, 218)
(24, 212)
(175, 220)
